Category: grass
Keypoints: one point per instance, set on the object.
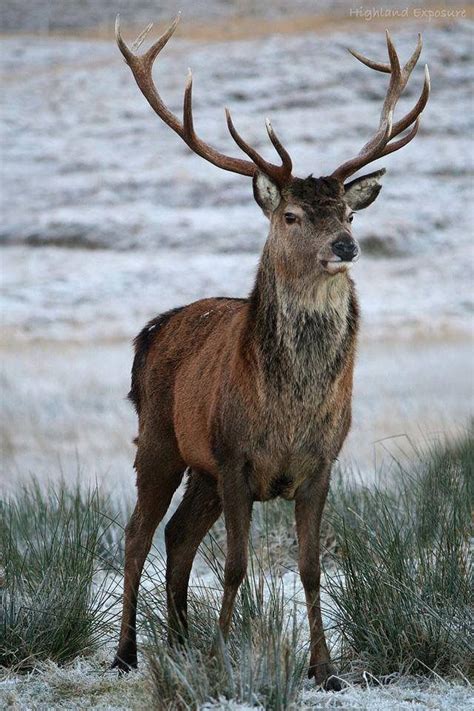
(56, 597)
(264, 661)
(398, 576)
(402, 590)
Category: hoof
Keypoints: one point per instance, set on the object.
(177, 640)
(325, 677)
(124, 663)
(332, 683)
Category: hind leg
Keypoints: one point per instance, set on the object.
(160, 470)
(200, 508)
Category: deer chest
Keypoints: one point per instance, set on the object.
(294, 443)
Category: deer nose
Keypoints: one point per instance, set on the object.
(345, 248)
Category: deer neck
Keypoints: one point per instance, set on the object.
(303, 327)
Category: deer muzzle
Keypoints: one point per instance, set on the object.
(345, 249)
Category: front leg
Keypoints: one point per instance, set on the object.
(237, 503)
(310, 499)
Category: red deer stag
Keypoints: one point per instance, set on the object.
(252, 396)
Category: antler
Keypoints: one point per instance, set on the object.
(142, 65)
(379, 145)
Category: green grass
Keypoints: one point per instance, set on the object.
(54, 592)
(402, 589)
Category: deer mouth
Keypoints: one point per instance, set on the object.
(335, 265)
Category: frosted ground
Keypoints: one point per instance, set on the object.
(107, 219)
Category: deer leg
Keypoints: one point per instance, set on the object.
(237, 502)
(200, 508)
(310, 500)
(157, 480)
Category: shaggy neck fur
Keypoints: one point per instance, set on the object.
(303, 332)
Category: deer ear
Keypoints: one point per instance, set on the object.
(361, 192)
(266, 193)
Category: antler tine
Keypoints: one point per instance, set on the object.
(408, 119)
(150, 55)
(378, 66)
(279, 173)
(141, 66)
(408, 68)
(142, 37)
(391, 147)
(395, 86)
(412, 115)
(188, 122)
(379, 145)
(279, 147)
(386, 66)
(119, 40)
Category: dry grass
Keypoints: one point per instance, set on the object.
(242, 28)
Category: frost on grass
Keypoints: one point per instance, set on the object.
(408, 693)
(395, 599)
(85, 683)
(90, 685)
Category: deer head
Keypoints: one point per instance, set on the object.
(310, 218)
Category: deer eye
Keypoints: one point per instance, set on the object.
(290, 218)
(351, 217)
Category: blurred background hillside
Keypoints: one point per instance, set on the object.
(108, 219)
(50, 15)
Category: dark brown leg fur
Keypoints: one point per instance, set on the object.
(238, 512)
(159, 473)
(200, 508)
(310, 500)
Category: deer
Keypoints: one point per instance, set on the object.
(251, 397)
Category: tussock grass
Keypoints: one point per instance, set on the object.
(55, 597)
(402, 591)
(264, 660)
